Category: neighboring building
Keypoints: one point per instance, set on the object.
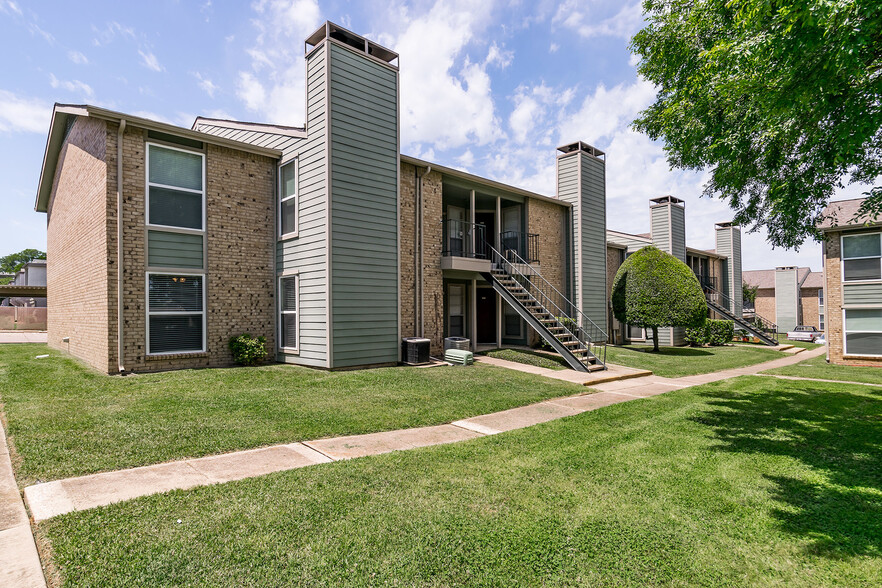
(323, 238)
(716, 270)
(853, 284)
(787, 297)
(31, 281)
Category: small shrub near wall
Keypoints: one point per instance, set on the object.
(713, 332)
(248, 350)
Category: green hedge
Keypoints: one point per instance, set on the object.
(713, 332)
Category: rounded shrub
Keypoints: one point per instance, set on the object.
(654, 289)
(248, 350)
(713, 332)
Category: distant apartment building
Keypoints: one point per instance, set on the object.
(787, 296)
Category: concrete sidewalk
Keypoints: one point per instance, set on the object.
(23, 337)
(19, 562)
(61, 496)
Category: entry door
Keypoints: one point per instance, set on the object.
(486, 315)
(511, 228)
(455, 230)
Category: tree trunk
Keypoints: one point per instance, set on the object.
(655, 339)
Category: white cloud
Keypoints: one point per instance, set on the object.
(274, 86)
(111, 31)
(553, 48)
(77, 57)
(150, 115)
(10, 6)
(23, 115)
(74, 86)
(149, 60)
(592, 19)
(206, 84)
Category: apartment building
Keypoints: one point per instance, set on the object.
(165, 241)
(853, 284)
(788, 296)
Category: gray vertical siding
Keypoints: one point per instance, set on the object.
(659, 226)
(678, 232)
(581, 181)
(729, 245)
(364, 209)
(307, 253)
(787, 313)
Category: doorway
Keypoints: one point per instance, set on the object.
(488, 219)
(486, 316)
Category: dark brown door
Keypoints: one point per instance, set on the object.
(486, 315)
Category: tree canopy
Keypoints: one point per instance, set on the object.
(654, 289)
(12, 263)
(781, 100)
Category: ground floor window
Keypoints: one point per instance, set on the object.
(512, 325)
(175, 313)
(288, 318)
(636, 333)
(456, 310)
(863, 331)
(820, 322)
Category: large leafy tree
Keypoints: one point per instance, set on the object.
(781, 100)
(654, 289)
(12, 263)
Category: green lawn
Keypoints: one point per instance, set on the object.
(67, 420)
(817, 367)
(675, 362)
(747, 482)
(533, 358)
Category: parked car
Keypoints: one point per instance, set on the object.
(804, 333)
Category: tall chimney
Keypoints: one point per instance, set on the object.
(667, 223)
(729, 245)
(581, 181)
(786, 298)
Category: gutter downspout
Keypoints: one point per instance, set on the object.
(119, 245)
(418, 276)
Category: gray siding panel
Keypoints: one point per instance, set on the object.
(364, 210)
(659, 223)
(678, 232)
(861, 294)
(167, 249)
(786, 306)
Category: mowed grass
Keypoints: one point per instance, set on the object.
(675, 362)
(817, 367)
(529, 358)
(747, 482)
(67, 420)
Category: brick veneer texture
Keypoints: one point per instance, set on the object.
(548, 220)
(808, 303)
(432, 277)
(77, 277)
(765, 303)
(240, 236)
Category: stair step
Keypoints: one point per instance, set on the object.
(572, 343)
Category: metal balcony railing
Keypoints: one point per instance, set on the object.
(707, 282)
(525, 245)
(462, 239)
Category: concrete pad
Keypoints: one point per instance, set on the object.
(254, 462)
(23, 337)
(475, 427)
(102, 489)
(377, 443)
(12, 512)
(525, 416)
(19, 561)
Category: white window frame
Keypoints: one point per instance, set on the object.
(464, 315)
(296, 197)
(280, 312)
(845, 332)
(148, 184)
(148, 313)
(843, 259)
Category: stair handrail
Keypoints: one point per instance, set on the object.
(761, 322)
(589, 341)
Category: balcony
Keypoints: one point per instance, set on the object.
(464, 246)
(526, 245)
(708, 283)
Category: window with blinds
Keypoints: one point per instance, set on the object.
(288, 200)
(175, 191)
(175, 313)
(288, 321)
(862, 257)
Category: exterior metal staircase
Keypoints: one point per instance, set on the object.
(573, 335)
(761, 328)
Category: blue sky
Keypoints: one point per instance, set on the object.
(489, 86)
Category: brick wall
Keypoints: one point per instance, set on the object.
(549, 221)
(432, 278)
(613, 263)
(77, 276)
(240, 235)
(765, 303)
(808, 304)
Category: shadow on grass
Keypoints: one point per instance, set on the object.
(837, 434)
(670, 351)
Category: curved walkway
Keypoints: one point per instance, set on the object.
(51, 499)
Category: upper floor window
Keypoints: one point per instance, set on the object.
(862, 257)
(175, 187)
(288, 200)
